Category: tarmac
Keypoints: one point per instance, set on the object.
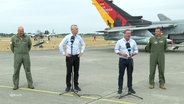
(98, 79)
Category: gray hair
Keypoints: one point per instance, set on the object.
(72, 26)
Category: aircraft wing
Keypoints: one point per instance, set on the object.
(32, 35)
(134, 28)
(140, 34)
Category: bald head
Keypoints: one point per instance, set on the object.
(20, 31)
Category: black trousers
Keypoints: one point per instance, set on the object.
(125, 64)
(72, 63)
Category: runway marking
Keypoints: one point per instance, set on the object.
(69, 94)
(4, 40)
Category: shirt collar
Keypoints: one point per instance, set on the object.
(19, 36)
(72, 34)
(125, 40)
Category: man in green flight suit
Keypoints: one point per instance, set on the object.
(157, 46)
(21, 45)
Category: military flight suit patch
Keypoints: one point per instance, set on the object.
(155, 42)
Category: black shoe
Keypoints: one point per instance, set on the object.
(67, 89)
(119, 91)
(31, 86)
(77, 88)
(15, 87)
(131, 91)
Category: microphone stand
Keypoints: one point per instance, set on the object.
(121, 96)
(129, 93)
(72, 87)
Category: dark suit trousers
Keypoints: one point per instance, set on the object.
(72, 63)
(125, 64)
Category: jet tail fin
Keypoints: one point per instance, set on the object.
(114, 16)
(162, 17)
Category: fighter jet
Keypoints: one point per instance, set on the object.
(40, 35)
(118, 21)
(37, 35)
(52, 34)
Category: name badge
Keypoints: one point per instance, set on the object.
(161, 41)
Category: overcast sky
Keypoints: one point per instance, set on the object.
(60, 14)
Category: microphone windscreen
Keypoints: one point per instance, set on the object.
(127, 45)
(72, 39)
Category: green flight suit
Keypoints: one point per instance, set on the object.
(157, 47)
(21, 47)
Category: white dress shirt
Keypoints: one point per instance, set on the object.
(78, 45)
(121, 47)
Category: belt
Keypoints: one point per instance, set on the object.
(125, 59)
(75, 55)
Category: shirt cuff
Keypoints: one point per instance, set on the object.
(136, 52)
(82, 51)
(117, 51)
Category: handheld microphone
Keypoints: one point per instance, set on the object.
(72, 39)
(128, 48)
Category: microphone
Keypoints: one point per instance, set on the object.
(128, 48)
(72, 39)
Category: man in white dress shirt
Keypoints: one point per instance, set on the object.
(126, 48)
(75, 47)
